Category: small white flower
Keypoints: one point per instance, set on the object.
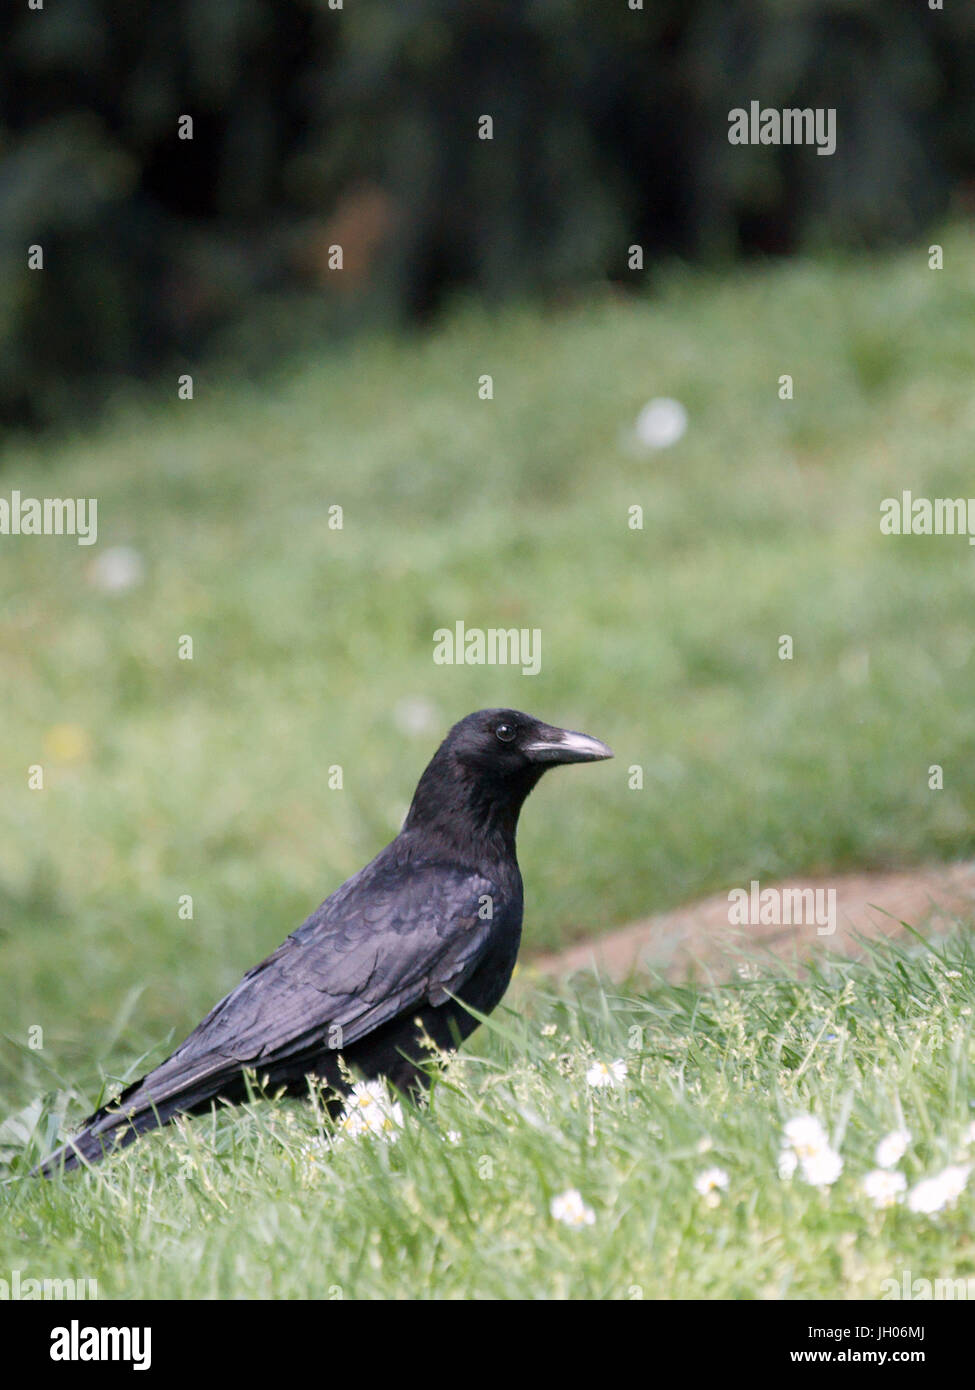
(453, 1136)
(118, 569)
(602, 1074)
(884, 1188)
(806, 1144)
(788, 1163)
(927, 1197)
(934, 1194)
(661, 423)
(823, 1168)
(968, 1137)
(806, 1136)
(549, 1030)
(711, 1182)
(955, 1179)
(892, 1148)
(571, 1210)
(369, 1110)
(311, 1160)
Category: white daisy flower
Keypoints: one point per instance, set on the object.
(788, 1163)
(661, 423)
(927, 1197)
(823, 1168)
(370, 1110)
(311, 1160)
(569, 1208)
(602, 1074)
(806, 1136)
(934, 1194)
(710, 1184)
(955, 1179)
(884, 1188)
(117, 569)
(892, 1148)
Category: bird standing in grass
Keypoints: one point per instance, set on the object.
(387, 962)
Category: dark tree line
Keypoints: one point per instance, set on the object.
(315, 127)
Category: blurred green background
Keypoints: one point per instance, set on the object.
(313, 646)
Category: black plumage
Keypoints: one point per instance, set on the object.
(431, 924)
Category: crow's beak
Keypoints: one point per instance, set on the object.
(565, 746)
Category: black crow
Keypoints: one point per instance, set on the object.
(390, 959)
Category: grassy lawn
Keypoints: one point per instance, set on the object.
(313, 647)
(267, 1202)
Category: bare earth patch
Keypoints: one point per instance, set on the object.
(698, 942)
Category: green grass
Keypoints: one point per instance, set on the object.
(165, 778)
(254, 1203)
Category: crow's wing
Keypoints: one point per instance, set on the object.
(391, 939)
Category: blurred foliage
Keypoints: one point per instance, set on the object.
(315, 126)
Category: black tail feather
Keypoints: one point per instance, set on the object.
(120, 1123)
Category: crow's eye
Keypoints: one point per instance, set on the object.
(505, 732)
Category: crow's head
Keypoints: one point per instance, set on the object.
(505, 743)
(486, 766)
